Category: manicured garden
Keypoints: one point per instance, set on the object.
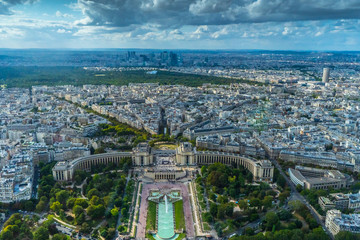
(151, 217)
(179, 215)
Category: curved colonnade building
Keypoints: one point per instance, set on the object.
(185, 155)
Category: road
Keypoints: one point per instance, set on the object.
(35, 183)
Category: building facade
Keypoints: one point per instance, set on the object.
(313, 178)
(185, 155)
(336, 221)
(64, 170)
(309, 158)
(341, 201)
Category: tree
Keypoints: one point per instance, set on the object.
(40, 207)
(297, 234)
(298, 223)
(56, 207)
(121, 228)
(29, 206)
(81, 202)
(212, 196)
(111, 233)
(345, 235)
(85, 228)
(283, 234)
(44, 199)
(328, 147)
(283, 196)
(271, 219)
(96, 211)
(70, 203)
(77, 210)
(95, 200)
(312, 223)
(317, 234)
(229, 210)
(41, 233)
(124, 212)
(52, 229)
(284, 215)
(221, 211)
(299, 188)
(77, 179)
(243, 204)
(249, 231)
(60, 236)
(6, 234)
(62, 196)
(203, 170)
(99, 150)
(115, 212)
(80, 219)
(254, 217)
(222, 199)
(93, 192)
(281, 181)
(255, 202)
(267, 202)
(213, 209)
(207, 217)
(296, 205)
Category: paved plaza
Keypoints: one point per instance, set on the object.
(141, 231)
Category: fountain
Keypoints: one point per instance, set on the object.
(165, 214)
(166, 204)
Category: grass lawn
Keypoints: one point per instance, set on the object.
(149, 236)
(151, 216)
(206, 226)
(166, 146)
(181, 236)
(179, 215)
(305, 225)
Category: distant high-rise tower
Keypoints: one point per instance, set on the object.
(173, 59)
(326, 73)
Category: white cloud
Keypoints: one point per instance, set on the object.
(63, 15)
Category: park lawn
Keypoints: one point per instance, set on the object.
(27, 76)
(305, 225)
(149, 236)
(181, 236)
(206, 226)
(151, 217)
(166, 146)
(179, 215)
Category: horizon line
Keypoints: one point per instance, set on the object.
(174, 49)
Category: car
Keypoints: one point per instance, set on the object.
(233, 235)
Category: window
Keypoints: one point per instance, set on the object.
(142, 160)
(187, 160)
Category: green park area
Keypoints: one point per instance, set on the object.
(166, 146)
(31, 76)
(227, 188)
(91, 207)
(151, 217)
(179, 215)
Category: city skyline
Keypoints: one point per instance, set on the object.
(192, 24)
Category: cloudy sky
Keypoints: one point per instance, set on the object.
(185, 24)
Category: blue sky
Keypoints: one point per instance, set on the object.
(185, 24)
